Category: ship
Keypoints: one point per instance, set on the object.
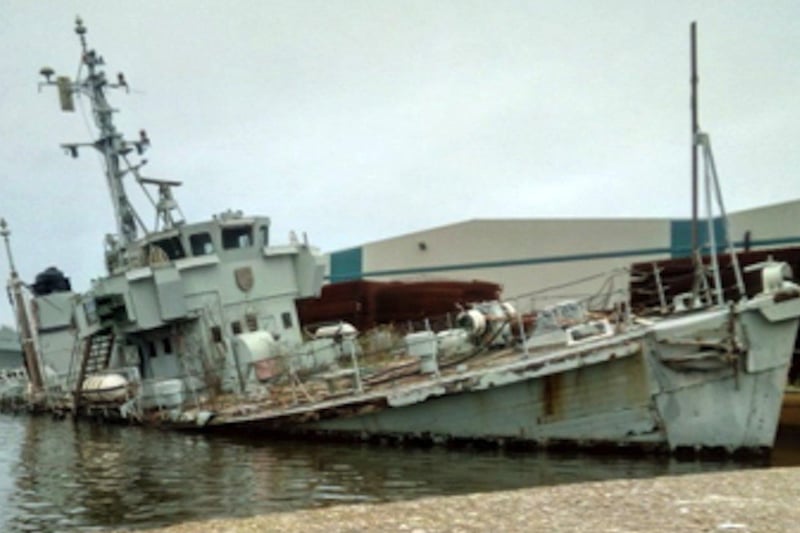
(195, 326)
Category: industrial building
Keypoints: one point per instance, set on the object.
(534, 259)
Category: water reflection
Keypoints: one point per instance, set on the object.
(56, 475)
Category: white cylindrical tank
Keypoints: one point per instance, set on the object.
(259, 349)
(773, 275)
(344, 330)
(253, 346)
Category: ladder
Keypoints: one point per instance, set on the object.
(96, 355)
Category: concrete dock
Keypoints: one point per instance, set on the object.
(742, 501)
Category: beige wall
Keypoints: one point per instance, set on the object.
(502, 240)
(483, 249)
(779, 222)
(529, 255)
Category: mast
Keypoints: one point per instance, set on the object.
(701, 141)
(695, 130)
(111, 145)
(109, 142)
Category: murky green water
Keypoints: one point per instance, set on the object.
(59, 475)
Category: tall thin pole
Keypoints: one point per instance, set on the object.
(695, 130)
(23, 322)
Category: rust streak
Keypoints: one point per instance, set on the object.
(551, 394)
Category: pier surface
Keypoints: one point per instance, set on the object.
(748, 500)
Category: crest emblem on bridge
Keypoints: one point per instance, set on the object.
(244, 278)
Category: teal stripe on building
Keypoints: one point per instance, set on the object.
(347, 265)
(681, 237)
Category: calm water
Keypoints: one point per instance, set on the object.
(58, 475)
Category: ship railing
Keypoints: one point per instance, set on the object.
(390, 354)
(612, 288)
(380, 356)
(662, 289)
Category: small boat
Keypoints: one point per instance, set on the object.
(105, 388)
(195, 326)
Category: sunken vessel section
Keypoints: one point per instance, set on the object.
(195, 326)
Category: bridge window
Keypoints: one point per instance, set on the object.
(252, 321)
(264, 235)
(172, 247)
(201, 244)
(237, 237)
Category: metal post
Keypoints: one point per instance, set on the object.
(737, 271)
(23, 322)
(660, 287)
(523, 336)
(712, 240)
(695, 129)
(356, 369)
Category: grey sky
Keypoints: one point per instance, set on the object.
(355, 121)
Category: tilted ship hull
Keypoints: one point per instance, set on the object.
(679, 383)
(195, 326)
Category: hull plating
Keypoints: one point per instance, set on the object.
(635, 391)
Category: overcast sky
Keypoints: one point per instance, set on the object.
(357, 121)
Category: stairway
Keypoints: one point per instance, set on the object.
(95, 357)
